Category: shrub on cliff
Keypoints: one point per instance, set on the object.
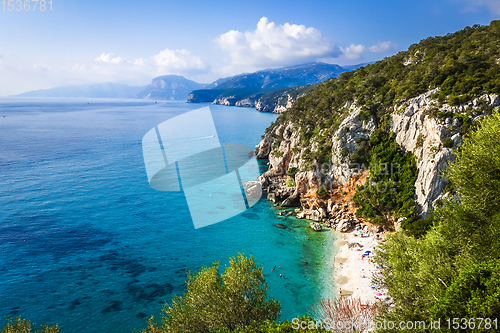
(390, 188)
(231, 300)
(452, 271)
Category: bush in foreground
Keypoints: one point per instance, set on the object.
(453, 272)
(213, 301)
(19, 325)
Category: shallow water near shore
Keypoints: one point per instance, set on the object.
(87, 243)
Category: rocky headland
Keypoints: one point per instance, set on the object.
(423, 126)
(416, 130)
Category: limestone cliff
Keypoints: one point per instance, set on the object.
(276, 101)
(421, 125)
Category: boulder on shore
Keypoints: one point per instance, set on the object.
(344, 225)
(316, 226)
(292, 201)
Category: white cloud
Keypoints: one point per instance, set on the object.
(382, 47)
(353, 51)
(165, 62)
(356, 51)
(272, 44)
(109, 57)
(41, 67)
(169, 60)
(493, 6)
(107, 67)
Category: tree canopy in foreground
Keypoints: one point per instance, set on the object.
(229, 301)
(19, 325)
(453, 270)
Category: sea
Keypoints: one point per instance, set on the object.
(86, 243)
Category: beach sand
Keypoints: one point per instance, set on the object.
(353, 273)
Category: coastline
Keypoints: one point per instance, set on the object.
(353, 272)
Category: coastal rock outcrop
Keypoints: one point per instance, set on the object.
(316, 226)
(263, 149)
(421, 125)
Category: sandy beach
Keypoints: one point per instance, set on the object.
(354, 270)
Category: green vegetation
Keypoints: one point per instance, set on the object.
(292, 172)
(278, 153)
(453, 270)
(448, 143)
(390, 187)
(420, 141)
(473, 294)
(322, 192)
(269, 326)
(19, 325)
(290, 182)
(281, 96)
(231, 300)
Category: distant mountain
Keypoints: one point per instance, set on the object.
(241, 90)
(101, 90)
(267, 90)
(266, 81)
(169, 87)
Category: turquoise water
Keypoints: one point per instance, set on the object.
(87, 243)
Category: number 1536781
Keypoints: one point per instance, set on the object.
(26, 5)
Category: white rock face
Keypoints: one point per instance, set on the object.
(316, 226)
(416, 131)
(282, 108)
(247, 102)
(344, 141)
(432, 157)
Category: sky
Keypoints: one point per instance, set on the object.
(131, 42)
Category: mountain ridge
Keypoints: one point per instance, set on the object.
(241, 90)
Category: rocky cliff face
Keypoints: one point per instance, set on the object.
(277, 103)
(421, 125)
(417, 131)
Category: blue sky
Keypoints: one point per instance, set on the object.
(82, 42)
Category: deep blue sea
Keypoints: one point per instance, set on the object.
(85, 242)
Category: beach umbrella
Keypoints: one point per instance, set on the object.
(379, 294)
(367, 251)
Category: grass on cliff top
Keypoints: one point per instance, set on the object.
(463, 65)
